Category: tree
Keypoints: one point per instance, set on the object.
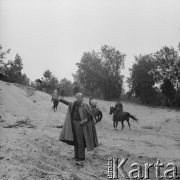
(47, 74)
(143, 78)
(111, 78)
(13, 70)
(3, 54)
(49, 82)
(101, 72)
(168, 69)
(54, 83)
(167, 65)
(2, 63)
(25, 80)
(67, 87)
(89, 71)
(168, 91)
(46, 85)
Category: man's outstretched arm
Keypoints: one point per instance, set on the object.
(64, 101)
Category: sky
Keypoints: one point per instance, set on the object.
(54, 34)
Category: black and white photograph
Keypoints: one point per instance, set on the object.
(89, 89)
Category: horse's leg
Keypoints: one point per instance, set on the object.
(122, 123)
(129, 124)
(97, 120)
(54, 108)
(95, 117)
(114, 124)
(99, 117)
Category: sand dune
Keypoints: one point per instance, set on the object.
(34, 152)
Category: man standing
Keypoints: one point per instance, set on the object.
(79, 128)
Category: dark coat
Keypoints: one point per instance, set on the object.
(89, 128)
(119, 106)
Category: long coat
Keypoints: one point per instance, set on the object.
(89, 128)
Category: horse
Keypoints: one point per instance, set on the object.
(55, 103)
(97, 113)
(121, 116)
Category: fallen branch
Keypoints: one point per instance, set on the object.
(20, 124)
(58, 126)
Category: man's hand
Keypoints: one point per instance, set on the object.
(83, 122)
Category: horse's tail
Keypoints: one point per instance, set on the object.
(132, 117)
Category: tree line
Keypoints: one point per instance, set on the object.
(100, 73)
(50, 82)
(11, 71)
(154, 78)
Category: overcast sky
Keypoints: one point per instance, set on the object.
(53, 34)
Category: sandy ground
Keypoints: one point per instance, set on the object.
(34, 152)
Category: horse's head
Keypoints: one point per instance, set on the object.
(111, 110)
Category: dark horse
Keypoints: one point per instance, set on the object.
(55, 103)
(121, 116)
(97, 114)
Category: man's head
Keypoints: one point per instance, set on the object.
(94, 102)
(79, 97)
(119, 100)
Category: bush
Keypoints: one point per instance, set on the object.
(177, 99)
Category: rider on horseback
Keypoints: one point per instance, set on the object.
(95, 110)
(55, 99)
(92, 102)
(118, 107)
(93, 105)
(55, 94)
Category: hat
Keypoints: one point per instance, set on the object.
(79, 95)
